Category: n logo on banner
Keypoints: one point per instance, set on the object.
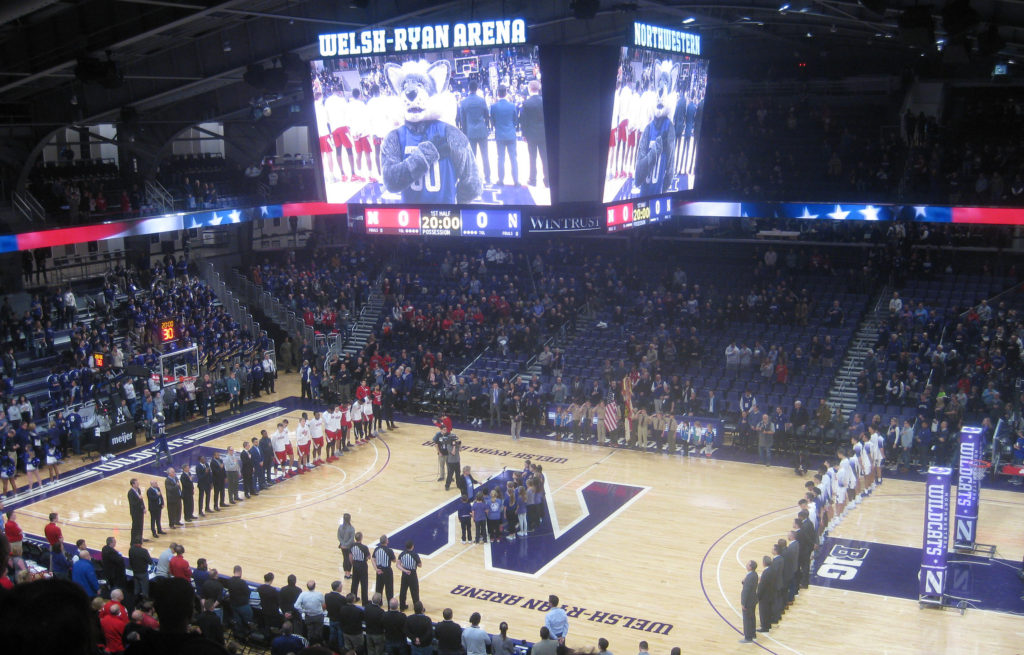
(532, 556)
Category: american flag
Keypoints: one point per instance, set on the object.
(611, 416)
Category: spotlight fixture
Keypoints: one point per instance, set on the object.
(784, 7)
(689, 20)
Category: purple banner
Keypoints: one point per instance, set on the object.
(936, 534)
(967, 489)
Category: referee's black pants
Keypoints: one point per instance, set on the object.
(410, 583)
(360, 578)
(385, 583)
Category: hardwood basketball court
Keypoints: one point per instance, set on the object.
(658, 553)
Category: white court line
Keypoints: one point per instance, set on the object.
(721, 589)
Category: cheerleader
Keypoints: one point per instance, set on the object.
(52, 461)
(684, 435)
(32, 468)
(560, 419)
(8, 473)
(706, 439)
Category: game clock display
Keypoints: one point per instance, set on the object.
(638, 213)
(446, 221)
(168, 331)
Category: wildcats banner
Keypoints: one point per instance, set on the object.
(936, 535)
(967, 489)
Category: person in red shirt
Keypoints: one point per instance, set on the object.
(116, 601)
(113, 624)
(52, 532)
(13, 531)
(179, 566)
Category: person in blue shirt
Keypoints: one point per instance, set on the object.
(503, 116)
(465, 513)
(1018, 449)
(59, 565)
(495, 506)
(480, 518)
(84, 574)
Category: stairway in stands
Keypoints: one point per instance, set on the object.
(843, 392)
(367, 321)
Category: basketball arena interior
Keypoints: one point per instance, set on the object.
(396, 327)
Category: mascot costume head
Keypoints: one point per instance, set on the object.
(426, 159)
(656, 148)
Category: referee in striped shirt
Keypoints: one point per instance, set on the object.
(382, 559)
(408, 562)
(359, 556)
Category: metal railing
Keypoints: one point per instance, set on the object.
(255, 296)
(235, 308)
(26, 206)
(158, 196)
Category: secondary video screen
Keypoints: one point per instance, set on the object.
(459, 126)
(656, 120)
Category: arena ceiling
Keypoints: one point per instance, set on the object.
(180, 62)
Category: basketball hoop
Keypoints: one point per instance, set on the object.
(978, 467)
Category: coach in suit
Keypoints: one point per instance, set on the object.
(791, 556)
(188, 493)
(204, 482)
(779, 566)
(219, 475)
(531, 120)
(473, 121)
(172, 494)
(807, 535)
(137, 509)
(495, 398)
(766, 595)
(748, 599)
(245, 458)
(156, 507)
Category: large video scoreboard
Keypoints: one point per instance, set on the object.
(443, 221)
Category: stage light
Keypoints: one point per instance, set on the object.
(784, 7)
(689, 20)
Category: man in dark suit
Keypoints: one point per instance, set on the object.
(267, 452)
(139, 560)
(137, 509)
(748, 599)
(779, 578)
(766, 595)
(188, 493)
(807, 535)
(531, 120)
(473, 121)
(113, 566)
(245, 457)
(791, 556)
(495, 398)
(156, 508)
(172, 495)
(219, 475)
(205, 482)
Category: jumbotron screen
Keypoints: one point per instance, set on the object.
(656, 119)
(450, 126)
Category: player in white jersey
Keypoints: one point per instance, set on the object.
(302, 438)
(337, 117)
(359, 126)
(316, 433)
(332, 426)
(346, 428)
(625, 99)
(368, 430)
(384, 116)
(877, 454)
(282, 448)
(323, 129)
(355, 414)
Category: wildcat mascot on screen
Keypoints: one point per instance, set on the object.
(426, 159)
(655, 154)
